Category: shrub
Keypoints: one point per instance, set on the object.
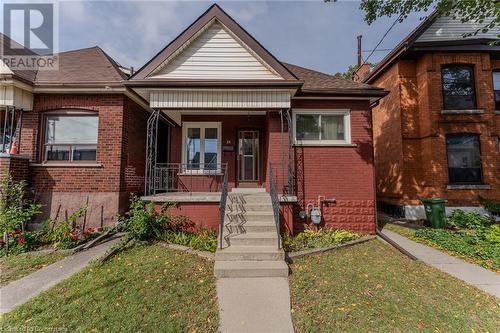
(15, 209)
(317, 239)
(205, 240)
(64, 235)
(460, 219)
(491, 205)
(493, 234)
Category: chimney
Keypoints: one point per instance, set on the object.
(359, 50)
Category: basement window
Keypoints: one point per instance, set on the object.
(464, 159)
(458, 87)
(71, 138)
(322, 127)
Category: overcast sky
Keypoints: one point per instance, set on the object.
(312, 34)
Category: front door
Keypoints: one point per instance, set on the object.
(248, 157)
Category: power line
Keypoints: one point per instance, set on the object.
(379, 50)
(381, 40)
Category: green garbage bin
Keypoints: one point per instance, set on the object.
(435, 211)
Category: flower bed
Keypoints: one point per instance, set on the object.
(310, 239)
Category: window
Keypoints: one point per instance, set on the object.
(322, 127)
(496, 88)
(458, 87)
(202, 146)
(464, 159)
(71, 137)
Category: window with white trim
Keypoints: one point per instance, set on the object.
(201, 146)
(322, 126)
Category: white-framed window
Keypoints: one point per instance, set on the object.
(201, 142)
(322, 127)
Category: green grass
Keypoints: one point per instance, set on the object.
(14, 267)
(146, 289)
(463, 244)
(313, 239)
(372, 288)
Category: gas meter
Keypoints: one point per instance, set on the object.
(316, 215)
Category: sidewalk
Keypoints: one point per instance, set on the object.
(22, 290)
(479, 277)
(254, 305)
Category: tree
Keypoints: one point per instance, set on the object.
(478, 11)
(484, 12)
(350, 71)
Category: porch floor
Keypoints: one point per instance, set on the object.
(184, 197)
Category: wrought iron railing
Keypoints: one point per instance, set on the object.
(222, 209)
(276, 203)
(187, 177)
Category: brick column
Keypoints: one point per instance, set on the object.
(15, 165)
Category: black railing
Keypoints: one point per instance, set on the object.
(186, 177)
(276, 203)
(222, 209)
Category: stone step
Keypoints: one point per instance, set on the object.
(248, 190)
(249, 217)
(249, 199)
(250, 268)
(249, 207)
(255, 239)
(250, 253)
(239, 228)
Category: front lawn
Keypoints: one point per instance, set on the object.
(146, 288)
(14, 267)
(371, 287)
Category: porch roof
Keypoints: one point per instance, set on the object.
(186, 197)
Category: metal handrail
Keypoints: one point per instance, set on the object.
(276, 204)
(188, 177)
(222, 208)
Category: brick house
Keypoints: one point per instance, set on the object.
(212, 112)
(437, 133)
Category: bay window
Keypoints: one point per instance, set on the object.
(71, 137)
(322, 127)
(464, 159)
(202, 146)
(458, 87)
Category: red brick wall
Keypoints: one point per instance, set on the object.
(343, 173)
(421, 168)
(17, 166)
(199, 215)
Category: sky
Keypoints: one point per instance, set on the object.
(311, 34)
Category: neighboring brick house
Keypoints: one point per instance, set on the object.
(437, 133)
(212, 108)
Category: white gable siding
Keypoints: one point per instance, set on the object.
(216, 54)
(445, 28)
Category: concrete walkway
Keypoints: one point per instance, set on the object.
(20, 291)
(479, 277)
(254, 305)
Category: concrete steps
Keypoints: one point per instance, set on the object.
(251, 268)
(250, 246)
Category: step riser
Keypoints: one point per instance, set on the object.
(250, 256)
(251, 201)
(248, 208)
(253, 241)
(278, 272)
(231, 218)
(245, 228)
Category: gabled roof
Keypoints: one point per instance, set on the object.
(317, 82)
(414, 39)
(85, 66)
(213, 13)
(27, 75)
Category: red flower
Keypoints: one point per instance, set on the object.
(21, 241)
(66, 233)
(74, 237)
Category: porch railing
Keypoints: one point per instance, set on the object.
(275, 203)
(187, 177)
(222, 209)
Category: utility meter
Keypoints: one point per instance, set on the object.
(316, 215)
